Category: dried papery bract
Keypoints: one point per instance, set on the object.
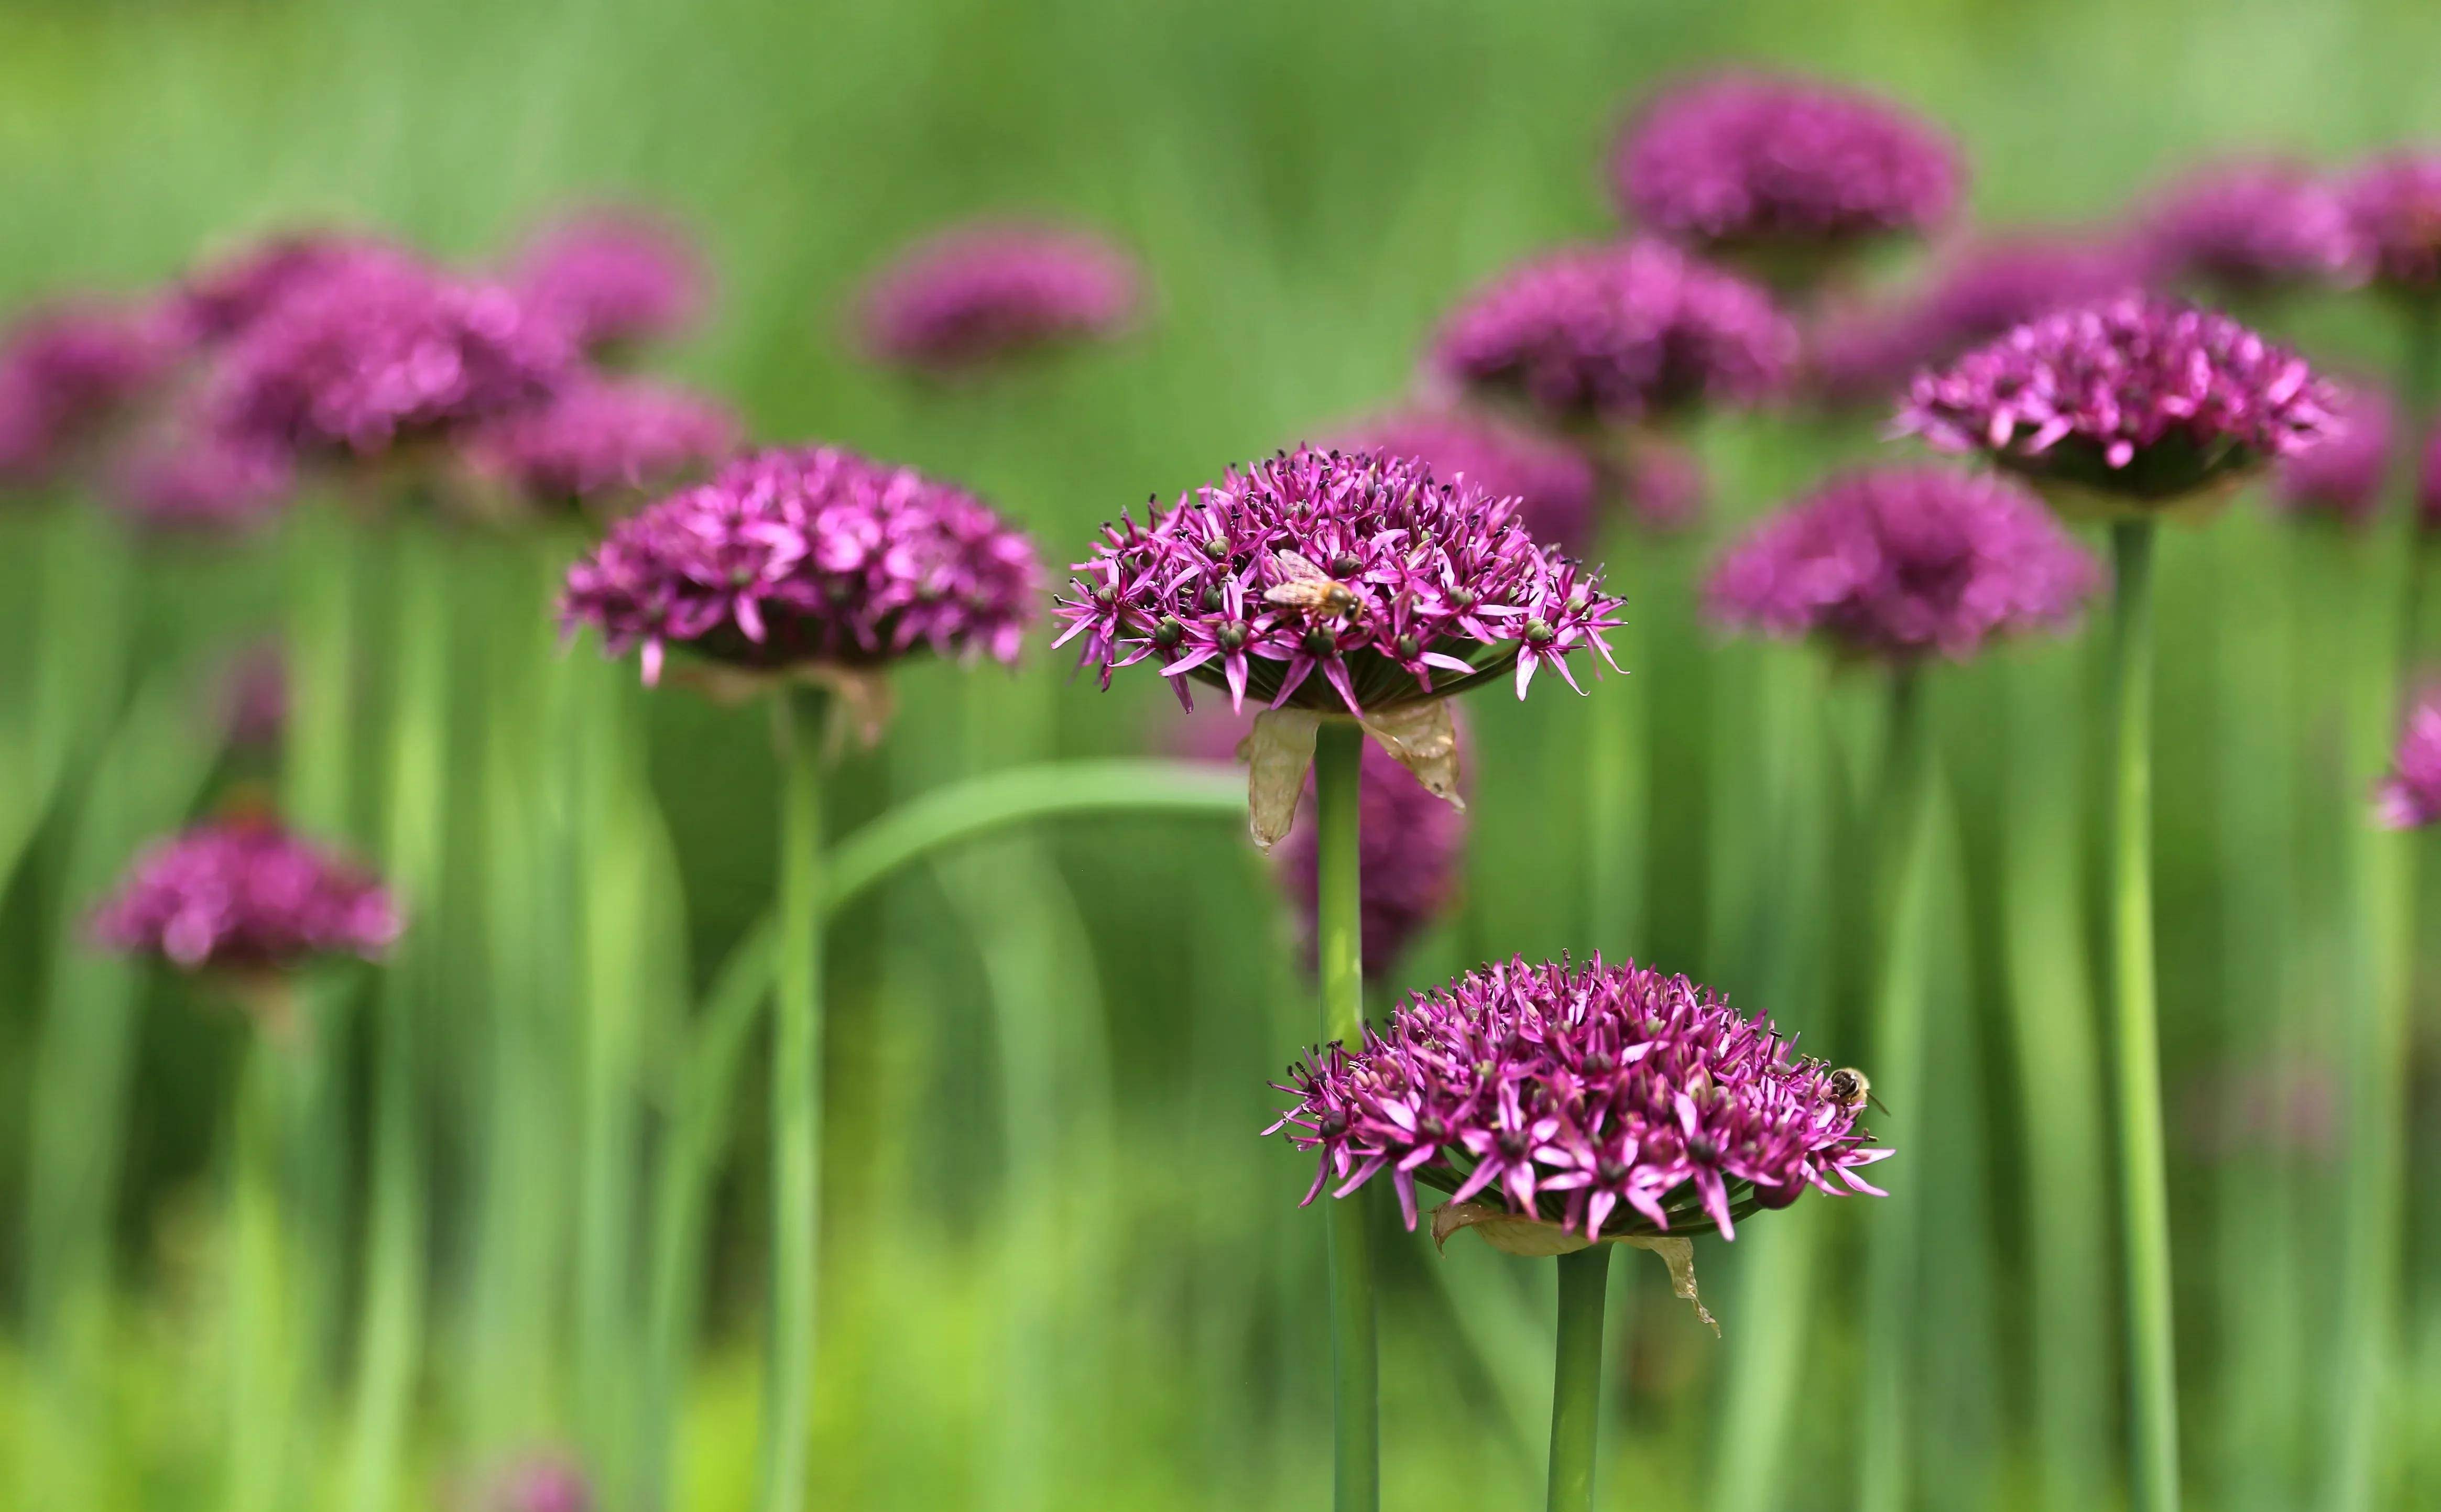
(979, 296)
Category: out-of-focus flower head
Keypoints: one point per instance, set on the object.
(254, 696)
(540, 1483)
(1410, 845)
(978, 296)
(192, 481)
(1610, 1100)
(808, 558)
(69, 371)
(2394, 209)
(223, 299)
(379, 351)
(1783, 170)
(1630, 333)
(2340, 478)
(2408, 797)
(1554, 485)
(2249, 228)
(2142, 398)
(613, 277)
(1864, 355)
(603, 439)
(1363, 566)
(1899, 563)
(245, 896)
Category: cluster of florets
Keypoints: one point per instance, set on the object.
(1612, 1100)
(810, 557)
(66, 374)
(1363, 566)
(1409, 847)
(2410, 794)
(611, 278)
(979, 295)
(2247, 227)
(223, 299)
(601, 439)
(2394, 209)
(1744, 162)
(2340, 478)
(244, 895)
(1898, 562)
(1864, 355)
(1634, 332)
(2141, 396)
(1554, 485)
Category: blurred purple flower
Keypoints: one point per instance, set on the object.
(2141, 397)
(1553, 485)
(67, 372)
(254, 696)
(1611, 1100)
(2394, 207)
(1898, 562)
(604, 439)
(979, 295)
(814, 557)
(1633, 333)
(542, 1483)
(613, 277)
(2340, 478)
(1410, 844)
(225, 300)
(198, 482)
(1661, 484)
(2248, 227)
(2410, 794)
(1739, 162)
(245, 896)
(1410, 588)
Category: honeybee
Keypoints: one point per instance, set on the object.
(1851, 1091)
(1308, 588)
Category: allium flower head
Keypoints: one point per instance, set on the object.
(611, 277)
(1395, 587)
(1739, 162)
(2340, 478)
(1898, 562)
(246, 895)
(225, 300)
(602, 438)
(201, 483)
(980, 295)
(1637, 331)
(808, 558)
(67, 372)
(2141, 397)
(378, 352)
(1554, 485)
(1612, 1100)
(2394, 207)
(2246, 227)
(2410, 796)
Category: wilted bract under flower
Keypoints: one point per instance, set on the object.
(1444, 588)
(602, 438)
(982, 293)
(1896, 563)
(1610, 1099)
(811, 556)
(243, 894)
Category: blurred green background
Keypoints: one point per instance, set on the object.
(1310, 186)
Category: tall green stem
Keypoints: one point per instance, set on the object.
(2143, 1179)
(1901, 895)
(796, 1105)
(258, 1403)
(1575, 1378)
(1616, 758)
(1356, 1409)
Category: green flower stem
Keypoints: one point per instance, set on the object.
(1575, 1378)
(1902, 897)
(259, 1402)
(796, 1104)
(390, 1343)
(1356, 1410)
(1615, 754)
(2144, 1181)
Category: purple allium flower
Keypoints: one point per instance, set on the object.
(1612, 1100)
(611, 277)
(2394, 207)
(1746, 163)
(2251, 227)
(979, 295)
(1661, 484)
(1897, 562)
(225, 300)
(68, 371)
(1410, 845)
(253, 705)
(2410, 796)
(245, 896)
(2341, 477)
(544, 1482)
(601, 438)
(1554, 485)
(812, 557)
(378, 352)
(1865, 356)
(1410, 578)
(2142, 397)
(1631, 333)
(199, 482)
